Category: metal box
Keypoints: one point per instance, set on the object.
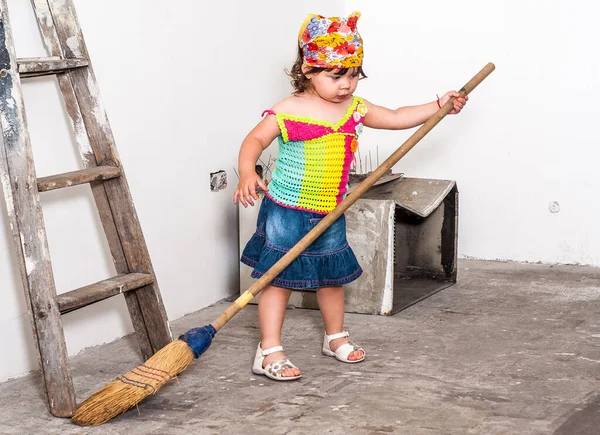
(404, 233)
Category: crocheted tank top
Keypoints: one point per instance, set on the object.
(313, 164)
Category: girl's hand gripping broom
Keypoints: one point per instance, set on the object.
(128, 390)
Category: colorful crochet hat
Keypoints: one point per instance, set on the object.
(331, 42)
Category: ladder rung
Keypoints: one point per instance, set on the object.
(99, 291)
(82, 176)
(41, 66)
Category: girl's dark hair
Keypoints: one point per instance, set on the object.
(301, 83)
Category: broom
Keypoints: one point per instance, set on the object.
(128, 390)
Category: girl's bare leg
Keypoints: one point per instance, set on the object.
(271, 312)
(331, 304)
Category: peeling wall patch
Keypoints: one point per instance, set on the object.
(218, 181)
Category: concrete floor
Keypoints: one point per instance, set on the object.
(510, 349)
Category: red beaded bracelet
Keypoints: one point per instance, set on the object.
(438, 101)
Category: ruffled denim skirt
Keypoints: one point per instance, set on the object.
(328, 261)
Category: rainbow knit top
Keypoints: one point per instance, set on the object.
(314, 159)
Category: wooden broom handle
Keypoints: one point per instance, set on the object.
(313, 234)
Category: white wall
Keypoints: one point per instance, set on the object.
(182, 82)
(529, 133)
(179, 107)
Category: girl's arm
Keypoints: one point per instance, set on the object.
(409, 116)
(253, 145)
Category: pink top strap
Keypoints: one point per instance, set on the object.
(268, 112)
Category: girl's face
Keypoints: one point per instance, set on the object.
(333, 87)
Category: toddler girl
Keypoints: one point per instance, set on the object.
(317, 128)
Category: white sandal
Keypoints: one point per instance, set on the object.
(342, 352)
(274, 370)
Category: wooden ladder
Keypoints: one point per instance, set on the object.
(69, 61)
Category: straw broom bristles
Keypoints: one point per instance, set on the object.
(130, 389)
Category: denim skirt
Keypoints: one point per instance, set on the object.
(328, 261)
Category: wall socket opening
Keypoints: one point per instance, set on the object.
(218, 181)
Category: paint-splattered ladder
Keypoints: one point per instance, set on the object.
(70, 63)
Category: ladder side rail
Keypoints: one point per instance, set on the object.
(29, 233)
(118, 196)
(53, 47)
